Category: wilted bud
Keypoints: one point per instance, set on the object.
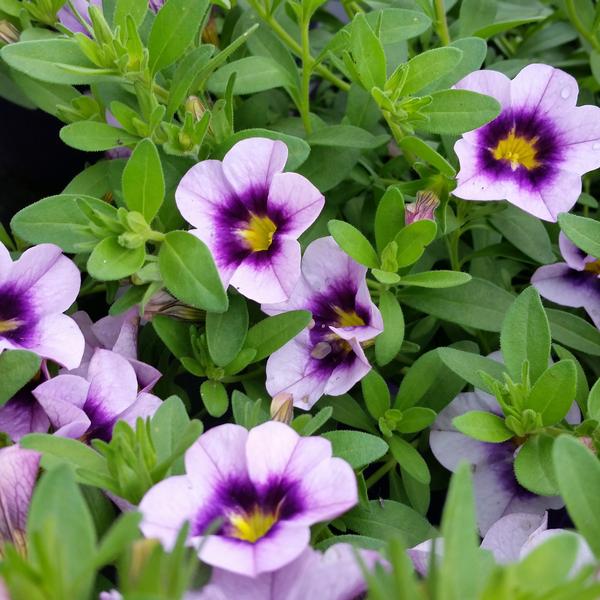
(423, 207)
(588, 442)
(210, 35)
(140, 553)
(9, 34)
(282, 408)
(194, 106)
(162, 303)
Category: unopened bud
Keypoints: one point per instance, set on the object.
(210, 34)
(162, 303)
(9, 34)
(423, 207)
(282, 407)
(194, 106)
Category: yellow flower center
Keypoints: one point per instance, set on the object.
(250, 527)
(518, 151)
(10, 325)
(258, 233)
(594, 267)
(347, 318)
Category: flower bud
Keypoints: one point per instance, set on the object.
(588, 442)
(194, 106)
(162, 303)
(9, 34)
(423, 208)
(282, 408)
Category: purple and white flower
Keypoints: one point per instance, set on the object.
(497, 491)
(328, 357)
(575, 282)
(18, 473)
(23, 414)
(332, 575)
(536, 151)
(34, 292)
(250, 214)
(118, 334)
(262, 488)
(423, 208)
(90, 406)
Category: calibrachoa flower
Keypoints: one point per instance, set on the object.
(535, 152)
(333, 575)
(575, 282)
(89, 407)
(23, 414)
(422, 208)
(326, 358)
(34, 292)
(262, 488)
(250, 214)
(18, 472)
(497, 492)
(118, 334)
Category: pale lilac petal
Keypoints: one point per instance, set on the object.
(33, 264)
(147, 375)
(580, 138)
(60, 340)
(56, 289)
(273, 280)
(420, 555)
(348, 373)
(166, 507)
(506, 537)
(210, 235)
(118, 334)
(286, 542)
(6, 263)
(144, 407)
(113, 385)
(18, 473)
(201, 191)
(227, 553)
(574, 257)
(18, 417)
(298, 199)
(545, 90)
(299, 299)
(251, 164)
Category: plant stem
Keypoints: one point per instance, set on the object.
(307, 66)
(441, 24)
(588, 36)
(381, 472)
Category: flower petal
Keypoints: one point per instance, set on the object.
(580, 139)
(144, 407)
(33, 264)
(59, 339)
(56, 289)
(23, 415)
(574, 257)
(349, 372)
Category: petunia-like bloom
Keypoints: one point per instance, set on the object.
(34, 292)
(333, 575)
(118, 334)
(326, 358)
(23, 414)
(575, 282)
(497, 491)
(423, 208)
(535, 152)
(250, 214)
(262, 489)
(90, 406)
(18, 473)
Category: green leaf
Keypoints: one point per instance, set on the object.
(247, 412)
(554, 392)
(412, 241)
(583, 232)
(137, 9)
(479, 304)
(357, 448)
(143, 180)
(524, 232)
(525, 336)
(468, 365)
(124, 531)
(52, 60)
(189, 272)
(59, 220)
(476, 14)
(346, 136)
(416, 418)
(578, 473)
(573, 331)
(389, 218)
(456, 111)
(347, 411)
(214, 397)
(17, 367)
(272, 333)
(425, 152)
(387, 520)
(409, 459)
(376, 394)
(593, 402)
(109, 261)
(436, 279)
(533, 466)
(389, 341)
(174, 29)
(253, 74)
(174, 334)
(317, 421)
(226, 332)
(92, 136)
(582, 388)
(483, 426)
(429, 66)
(353, 243)
(368, 54)
(398, 24)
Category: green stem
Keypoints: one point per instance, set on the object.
(581, 28)
(441, 24)
(381, 472)
(307, 66)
